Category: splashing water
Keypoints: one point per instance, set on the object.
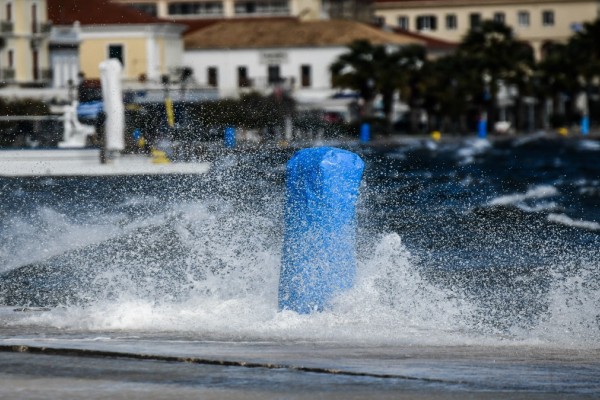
(438, 262)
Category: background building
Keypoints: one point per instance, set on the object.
(263, 55)
(536, 21)
(179, 10)
(146, 46)
(24, 35)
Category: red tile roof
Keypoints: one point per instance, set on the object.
(430, 42)
(197, 24)
(269, 33)
(95, 12)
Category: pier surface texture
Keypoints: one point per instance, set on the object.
(86, 162)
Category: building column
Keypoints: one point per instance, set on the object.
(152, 59)
(162, 9)
(229, 8)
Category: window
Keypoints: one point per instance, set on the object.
(523, 18)
(403, 22)
(196, 8)
(212, 76)
(426, 23)
(11, 58)
(474, 20)
(116, 51)
(271, 7)
(273, 74)
(148, 8)
(305, 76)
(500, 17)
(451, 22)
(243, 80)
(548, 18)
(9, 12)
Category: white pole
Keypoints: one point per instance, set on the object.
(110, 77)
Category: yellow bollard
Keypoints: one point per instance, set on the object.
(170, 112)
(159, 157)
(436, 136)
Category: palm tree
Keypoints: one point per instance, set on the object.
(356, 70)
(495, 57)
(584, 56)
(413, 64)
(447, 85)
(585, 50)
(557, 78)
(373, 70)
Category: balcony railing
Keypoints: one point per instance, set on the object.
(41, 28)
(7, 27)
(7, 74)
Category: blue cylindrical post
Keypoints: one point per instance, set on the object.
(230, 137)
(365, 132)
(482, 126)
(319, 257)
(585, 124)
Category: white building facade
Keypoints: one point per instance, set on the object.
(240, 56)
(304, 71)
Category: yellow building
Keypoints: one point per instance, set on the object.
(189, 9)
(24, 34)
(146, 46)
(536, 21)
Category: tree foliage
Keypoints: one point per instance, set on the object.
(490, 60)
(376, 69)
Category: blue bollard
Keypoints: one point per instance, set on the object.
(365, 133)
(230, 137)
(320, 228)
(482, 128)
(585, 125)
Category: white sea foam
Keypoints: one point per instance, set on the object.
(563, 219)
(390, 303)
(526, 139)
(471, 149)
(588, 145)
(230, 293)
(51, 233)
(537, 192)
(573, 318)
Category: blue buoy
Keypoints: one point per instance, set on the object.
(230, 137)
(319, 240)
(365, 132)
(585, 125)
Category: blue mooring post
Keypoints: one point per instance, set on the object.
(585, 124)
(482, 126)
(319, 257)
(365, 132)
(230, 137)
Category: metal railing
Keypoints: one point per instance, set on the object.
(7, 74)
(7, 27)
(41, 28)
